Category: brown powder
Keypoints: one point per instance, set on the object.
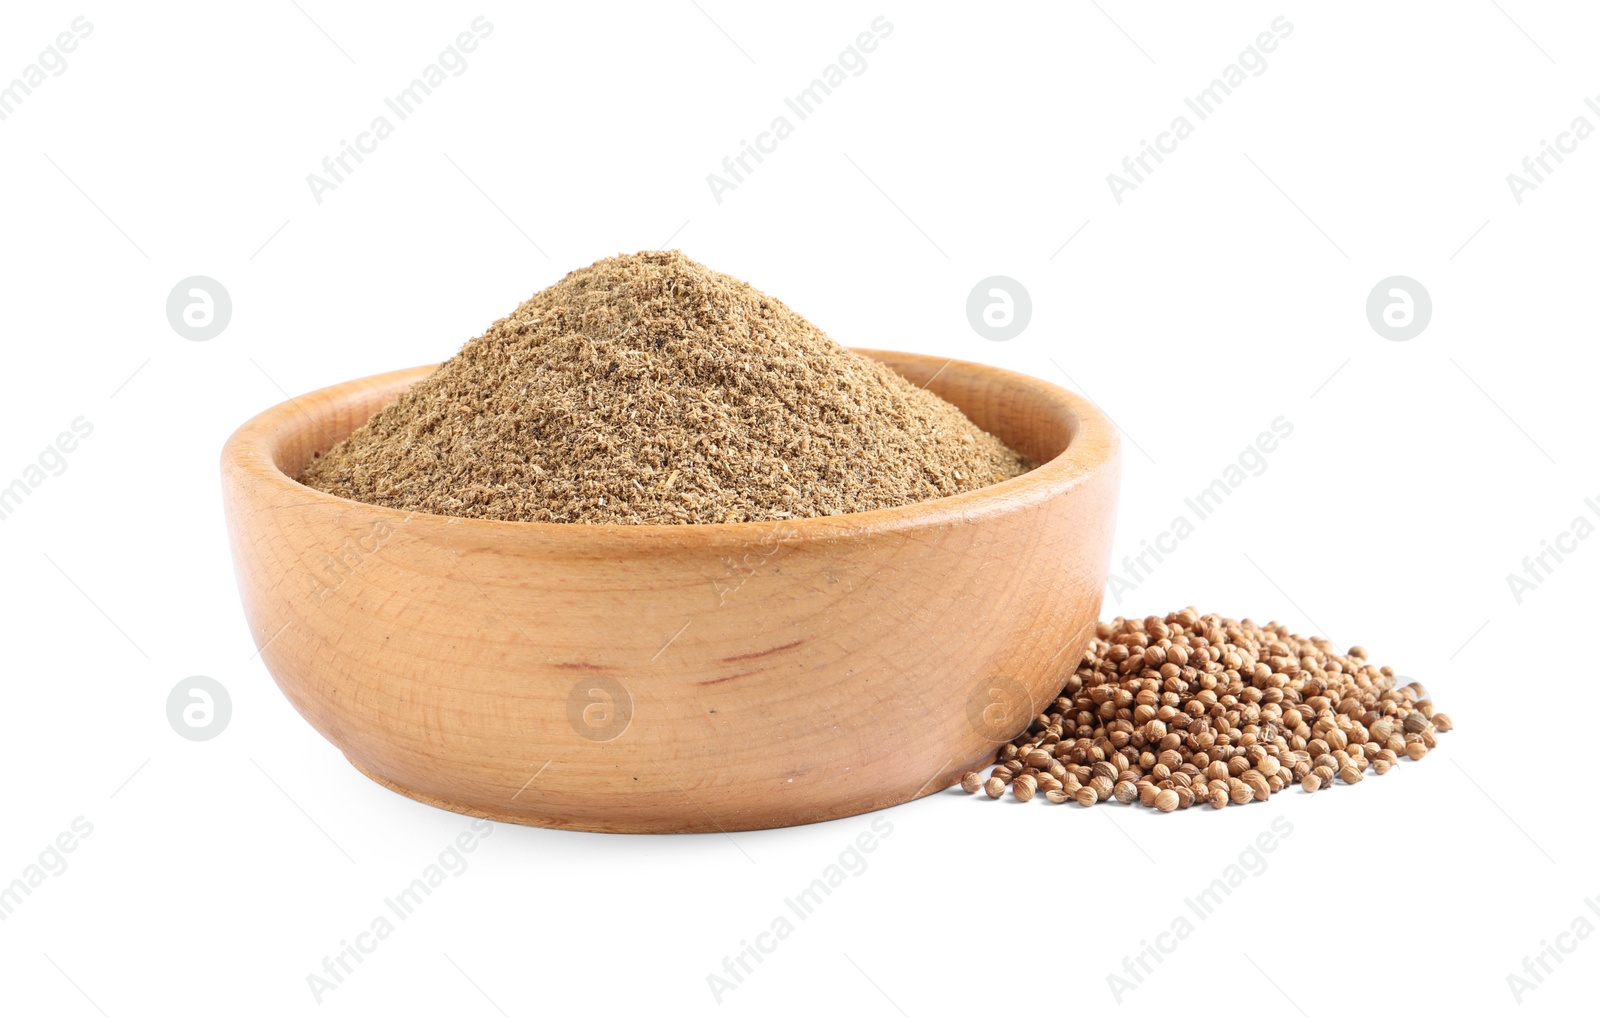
(649, 389)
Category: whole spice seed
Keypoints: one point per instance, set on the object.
(1258, 785)
(1192, 708)
(647, 388)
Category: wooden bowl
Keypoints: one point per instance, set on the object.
(713, 677)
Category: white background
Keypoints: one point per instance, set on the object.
(1226, 290)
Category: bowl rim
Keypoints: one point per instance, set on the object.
(249, 456)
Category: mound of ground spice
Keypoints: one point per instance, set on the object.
(1188, 709)
(649, 389)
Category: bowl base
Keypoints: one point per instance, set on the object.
(702, 824)
(498, 816)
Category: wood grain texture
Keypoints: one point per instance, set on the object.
(677, 678)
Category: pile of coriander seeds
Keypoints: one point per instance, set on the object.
(1203, 709)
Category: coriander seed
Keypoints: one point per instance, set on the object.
(1191, 708)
